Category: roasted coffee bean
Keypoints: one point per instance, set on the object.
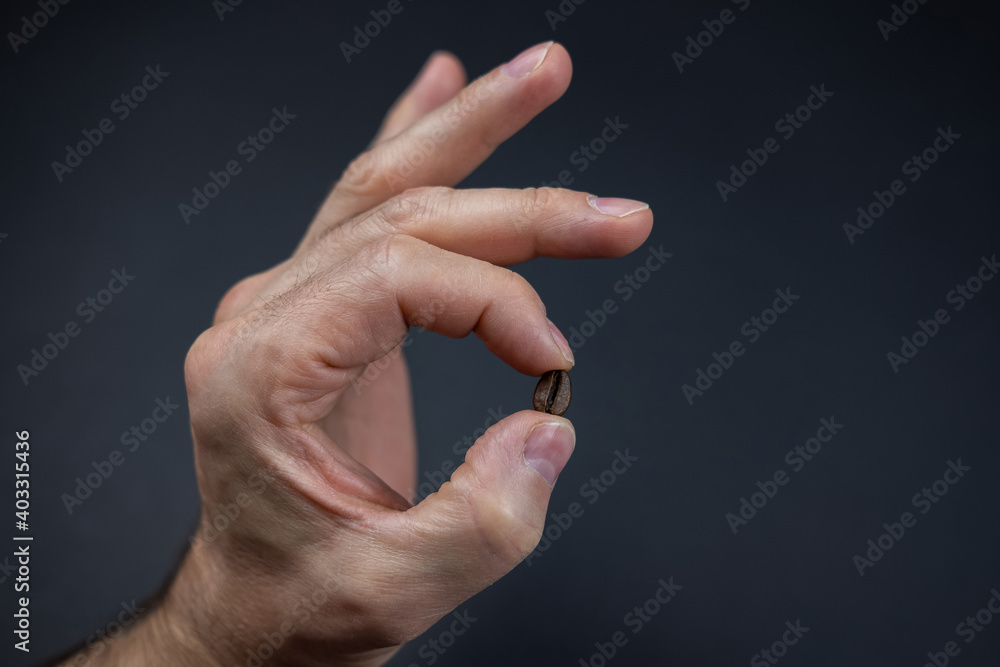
(552, 393)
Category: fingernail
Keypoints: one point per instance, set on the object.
(567, 351)
(548, 448)
(616, 207)
(528, 61)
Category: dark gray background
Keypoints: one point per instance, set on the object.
(664, 517)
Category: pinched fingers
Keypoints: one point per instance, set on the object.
(319, 335)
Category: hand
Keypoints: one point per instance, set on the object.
(320, 546)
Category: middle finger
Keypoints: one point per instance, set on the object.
(506, 227)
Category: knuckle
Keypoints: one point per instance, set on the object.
(504, 531)
(378, 262)
(204, 358)
(391, 251)
(411, 206)
(237, 298)
(244, 295)
(537, 201)
(519, 287)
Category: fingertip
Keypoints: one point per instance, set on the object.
(629, 234)
(561, 62)
(562, 343)
(441, 78)
(541, 74)
(451, 61)
(553, 76)
(622, 226)
(528, 345)
(538, 440)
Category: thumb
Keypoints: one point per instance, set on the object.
(491, 514)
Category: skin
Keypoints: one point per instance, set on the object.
(319, 547)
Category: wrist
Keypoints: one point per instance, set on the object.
(164, 634)
(223, 610)
(189, 623)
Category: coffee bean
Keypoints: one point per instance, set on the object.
(552, 393)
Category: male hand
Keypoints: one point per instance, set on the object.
(326, 556)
